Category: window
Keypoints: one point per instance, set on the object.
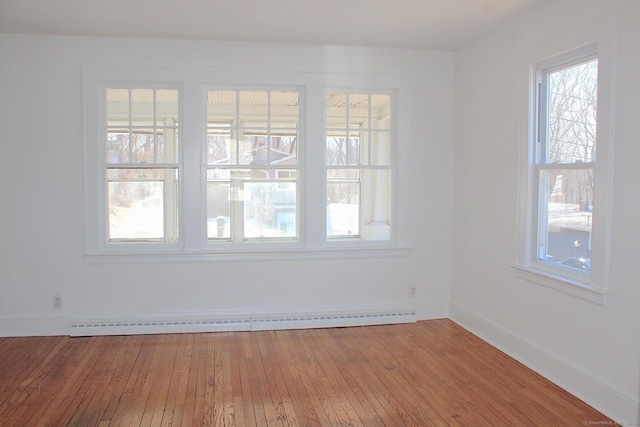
(565, 160)
(142, 164)
(252, 165)
(218, 164)
(358, 165)
(565, 196)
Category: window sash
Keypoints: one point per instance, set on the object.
(359, 136)
(142, 176)
(269, 213)
(559, 222)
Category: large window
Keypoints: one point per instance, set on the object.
(221, 164)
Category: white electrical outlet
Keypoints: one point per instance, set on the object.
(412, 291)
(57, 301)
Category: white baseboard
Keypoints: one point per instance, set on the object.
(333, 319)
(33, 326)
(229, 320)
(432, 309)
(218, 322)
(169, 324)
(617, 404)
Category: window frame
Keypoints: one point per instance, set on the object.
(542, 71)
(594, 41)
(361, 167)
(194, 244)
(105, 166)
(248, 242)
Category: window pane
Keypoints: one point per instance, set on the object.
(253, 148)
(285, 109)
(381, 112)
(167, 107)
(218, 209)
(573, 98)
(252, 204)
(118, 146)
(166, 148)
(142, 204)
(283, 144)
(270, 209)
(117, 107)
(359, 110)
(143, 147)
(142, 107)
(336, 113)
(221, 148)
(343, 202)
(341, 150)
(380, 147)
(150, 133)
(254, 108)
(279, 147)
(566, 200)
(376, 194)
(221, 105)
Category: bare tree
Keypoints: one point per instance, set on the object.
(571, 130)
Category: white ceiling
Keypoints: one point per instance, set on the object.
(420, 24)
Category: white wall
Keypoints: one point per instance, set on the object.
(591, 350)
(42, 208)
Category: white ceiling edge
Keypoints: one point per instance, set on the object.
(410, 24)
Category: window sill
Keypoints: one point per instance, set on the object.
(246, 255)
(562, 283)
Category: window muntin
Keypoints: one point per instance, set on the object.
(142, 164)
(252, 165)
(358, 161)
(565, 163)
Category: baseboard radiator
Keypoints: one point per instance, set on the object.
(248, 322)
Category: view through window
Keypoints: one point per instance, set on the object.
(568, 97)
(252, 165)
(359, 165)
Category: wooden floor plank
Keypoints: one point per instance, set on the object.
(285, 351)
(31, 376)
(127, 365)
(194, 400)
(335, 368)
(243, 394)
(94, 393)
(72, 369)
(419, 374)
(172, 414)
(277, 371)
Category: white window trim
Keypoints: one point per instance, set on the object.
(193, 244)
(592, 286)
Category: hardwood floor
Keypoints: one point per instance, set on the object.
(426, 373)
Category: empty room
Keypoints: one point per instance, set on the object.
(319, 213)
